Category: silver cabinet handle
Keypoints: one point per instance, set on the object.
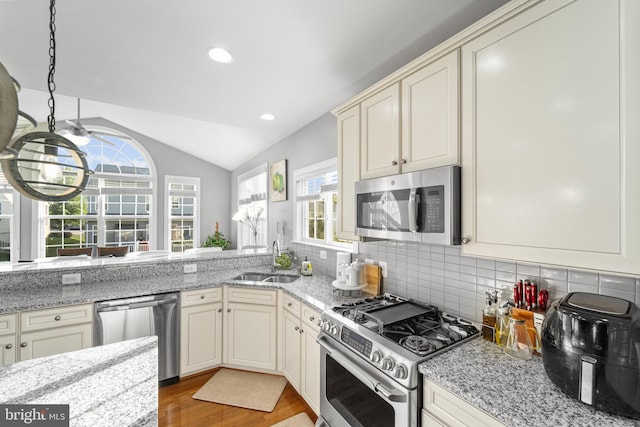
(23, 344)
(219, 310)
(403, 161)
(228, 310)
(465, 240)
(301, 330)
(394, 163)
(8, 346)
(412, 213)
(201, 296)
(289, 304)
(311, 319)
(296, 328)
(57, 318)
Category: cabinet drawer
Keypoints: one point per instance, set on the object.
(291, 304)
(55, 317)
(450, 410)
(252, 296)
(429, 420)
(8, 324)
(200, 296)
(310, 317)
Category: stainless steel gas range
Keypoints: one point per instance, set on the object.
(370, 352)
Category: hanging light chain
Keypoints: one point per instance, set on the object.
(51, 119)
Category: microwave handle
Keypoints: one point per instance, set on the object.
(413, 213)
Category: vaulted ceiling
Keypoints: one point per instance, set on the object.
(144, 64)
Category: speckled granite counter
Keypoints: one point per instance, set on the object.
(25, 295)
(111, 385)
(516, 392)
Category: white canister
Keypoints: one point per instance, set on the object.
(341, 275)
(342, 258)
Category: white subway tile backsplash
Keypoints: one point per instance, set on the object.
(452, 251)
(452, 259)
(509, 267)
(437, 249)
(484, 281)
(469, 261)
(558, 285)
(506, 277)
(483, 272)
(469, 278)
(579, 287)
(451, 275)
(467, 269)
(617, 283)
(488, 264)
(554, 273)
(583, 277)
(437, 264)
(451, 267)
(528, 270)
(629, 296)
(437, 257)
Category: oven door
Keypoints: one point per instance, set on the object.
(353, 393)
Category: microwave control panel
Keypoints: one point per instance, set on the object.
(433, 209)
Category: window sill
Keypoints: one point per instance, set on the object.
(352, 248)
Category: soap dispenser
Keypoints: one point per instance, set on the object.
(305, 268)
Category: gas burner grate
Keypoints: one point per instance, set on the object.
(417, 344)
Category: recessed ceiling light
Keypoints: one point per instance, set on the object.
(268, 116)
(219, 54)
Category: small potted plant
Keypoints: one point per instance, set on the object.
(216, 239)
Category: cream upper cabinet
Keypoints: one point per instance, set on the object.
(430, 117)
(380, 138)
(348, 171)
(551, 139)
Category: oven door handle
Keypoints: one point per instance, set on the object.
(413, 214)
(353, 369)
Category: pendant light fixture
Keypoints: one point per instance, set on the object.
(8, 113)
(47, 166)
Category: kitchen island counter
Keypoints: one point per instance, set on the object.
(110, 385)
(516, 392)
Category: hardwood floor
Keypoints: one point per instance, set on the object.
(178, 409)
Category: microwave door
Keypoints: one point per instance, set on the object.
(392, 214)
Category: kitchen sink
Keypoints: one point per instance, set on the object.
(265, 277)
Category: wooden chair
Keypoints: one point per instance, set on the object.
(113, 251)
(75, 251)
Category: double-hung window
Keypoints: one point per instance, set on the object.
(9, 214)
(316, 205)
(182, 195)
(252, 208)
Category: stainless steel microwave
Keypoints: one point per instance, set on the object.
(422, 206)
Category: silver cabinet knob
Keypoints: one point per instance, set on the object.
(57, 318)
(297, 328)
(219, 310)
(289, 304)
(301, 330)
(403, 161)
(228, 310)
(8, 346)
(394, 163)
(465, 240)
(201, 296)
(23, 344)
(311, 319)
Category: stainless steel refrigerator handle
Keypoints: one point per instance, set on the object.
(587, 379)
(413, 221)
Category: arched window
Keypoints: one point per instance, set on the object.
(117, 207)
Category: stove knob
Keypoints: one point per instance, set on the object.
(376, 356)
(388, 363)
(334, 330)
(400, 372)
(326, 325)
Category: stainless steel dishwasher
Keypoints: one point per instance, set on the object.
(125, 319)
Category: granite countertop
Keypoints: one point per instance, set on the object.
(110, 385)
(514, 391)
(314, 290)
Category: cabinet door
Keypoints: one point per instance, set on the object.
(55, 341)
(291, 348)
(310, 374)
(550, 137)
(200, 337)
(251, 336)
(7, 349)
(348, 171)
(380, 142)
(430, 122)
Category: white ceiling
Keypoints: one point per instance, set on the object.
(143, 63)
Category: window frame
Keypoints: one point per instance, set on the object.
(40, 213)
(168, 205)
(263, 221)
(311, 171)
(14, 219)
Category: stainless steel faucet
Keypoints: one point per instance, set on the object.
(275, 248)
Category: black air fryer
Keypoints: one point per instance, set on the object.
(591, 350)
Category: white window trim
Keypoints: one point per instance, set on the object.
(167, 210)
(264, 167)
(14, 231)
(308, 172)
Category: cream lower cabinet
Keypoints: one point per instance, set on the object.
(8, 338)
(300, 351)
(200, 330)
(56, 330)
(550, 138)
(443, 408)
(310, 358)
(250, 337)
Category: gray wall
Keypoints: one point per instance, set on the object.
(215, 182)
(311, 144)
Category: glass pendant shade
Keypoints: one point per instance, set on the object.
(8, 111)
